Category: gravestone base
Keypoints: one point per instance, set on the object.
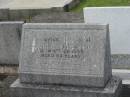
(112, 89)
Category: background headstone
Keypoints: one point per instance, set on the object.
(118, 19)
(62, 17)
(76, 54)
(4, 14)
(10, 36)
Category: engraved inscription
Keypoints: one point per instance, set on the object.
(66, 50)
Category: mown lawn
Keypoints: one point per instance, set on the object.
(91, 3)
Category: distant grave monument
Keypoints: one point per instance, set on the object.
(10, 37)
(118, 19)
(62, 17)
(4, 14)
(65, 60)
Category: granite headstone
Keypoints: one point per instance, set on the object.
(65, 60)
(75, 54)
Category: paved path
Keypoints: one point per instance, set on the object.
(31, 4)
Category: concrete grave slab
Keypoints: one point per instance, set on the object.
(112, 89)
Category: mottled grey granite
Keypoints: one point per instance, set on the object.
(112, 89)
(4, 14)
(65, 53)
(10, 33)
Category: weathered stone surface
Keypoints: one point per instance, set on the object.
(118, 18)
(4, 14)
(76, 54)
(10, 42)
(112, 89)
(25, 14)
(62, 17)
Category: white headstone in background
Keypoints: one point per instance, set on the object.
(119, 20)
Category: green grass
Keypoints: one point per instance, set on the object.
(99, 3)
